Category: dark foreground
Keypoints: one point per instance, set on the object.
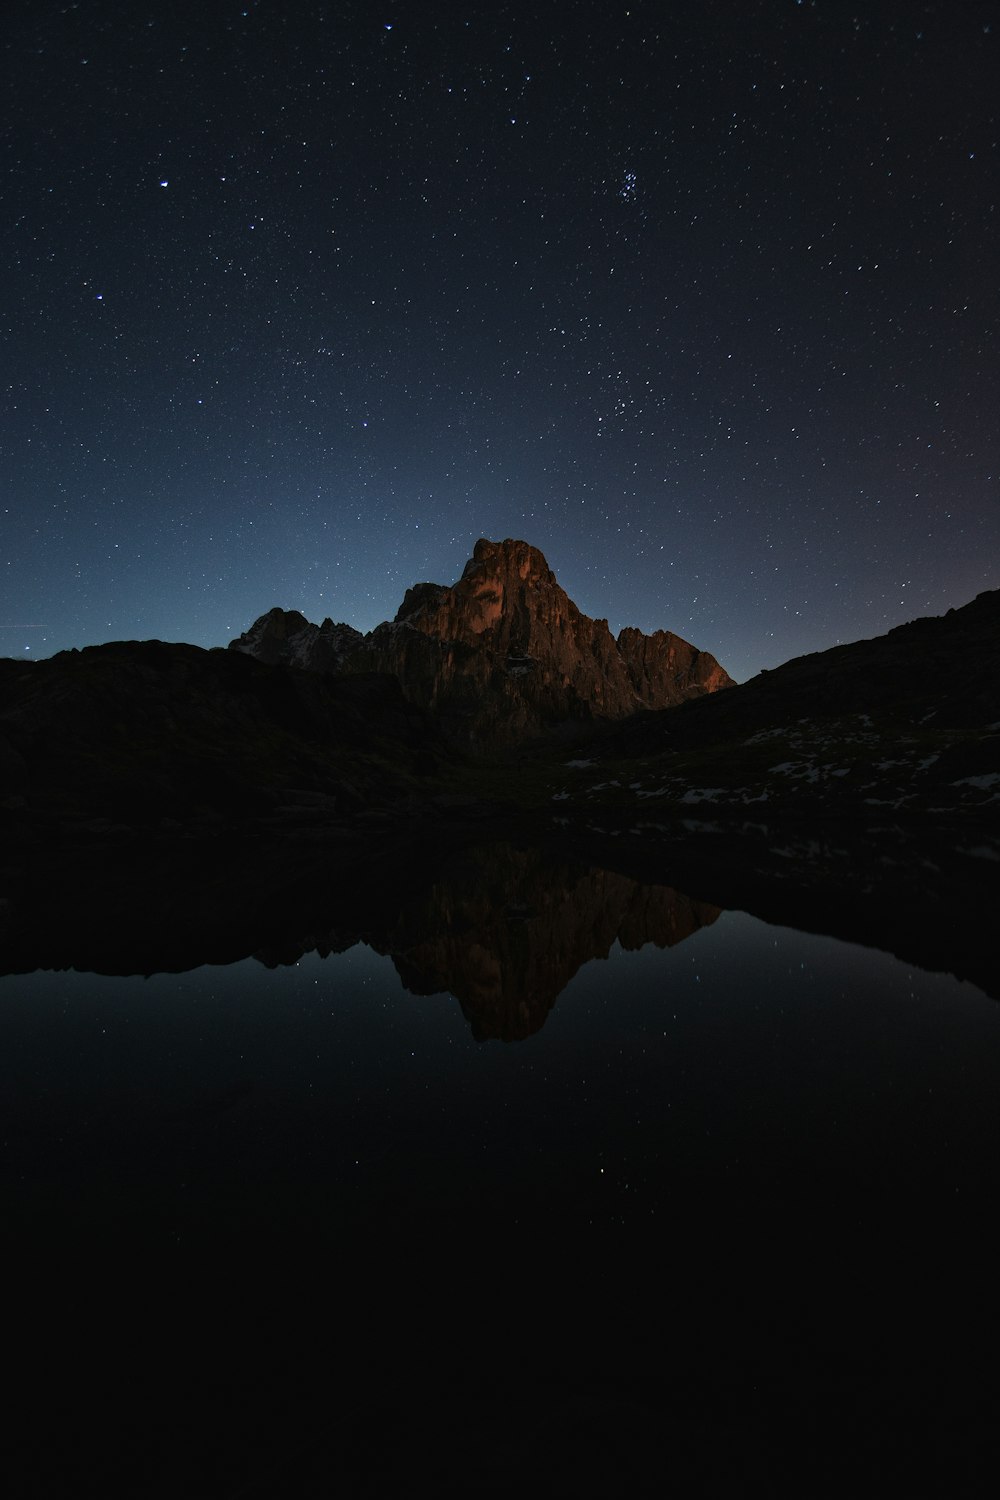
(718, 1217)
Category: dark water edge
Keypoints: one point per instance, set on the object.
(927, 895)
(479, 1320)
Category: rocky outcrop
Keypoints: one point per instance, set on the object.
(284, 637)
(662, 664)
(502, 654)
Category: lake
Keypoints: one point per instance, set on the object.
(611, 1153)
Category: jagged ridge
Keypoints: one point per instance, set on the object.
(501, 654)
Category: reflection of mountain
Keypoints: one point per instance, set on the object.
(505, 929)
(502, 927)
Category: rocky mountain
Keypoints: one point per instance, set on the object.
(286, 638)
(147, 740)
(904, 725)
(502, 654)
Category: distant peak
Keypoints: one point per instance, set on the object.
(509, 556)
(288, 621)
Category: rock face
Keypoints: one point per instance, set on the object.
(502, 654)
(284, 637)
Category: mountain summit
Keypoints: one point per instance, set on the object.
(501, 654)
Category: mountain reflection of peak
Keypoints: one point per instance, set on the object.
(506, 930)
(503, 926)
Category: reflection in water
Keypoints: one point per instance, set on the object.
(704, 1181)
(501, 925)
(506, 929)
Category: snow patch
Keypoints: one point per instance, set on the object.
(764, 734)
(803, 769)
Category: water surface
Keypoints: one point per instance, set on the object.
(748, 1057)
(532, 1167)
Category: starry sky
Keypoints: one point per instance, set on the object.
(299, 300)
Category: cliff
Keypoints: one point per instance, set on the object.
(502, 654)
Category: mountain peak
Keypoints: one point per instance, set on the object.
(503, 653)
(509, 557)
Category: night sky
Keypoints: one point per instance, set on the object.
(299, 300)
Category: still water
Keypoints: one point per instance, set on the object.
(569, 1176)
(746, 1058)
